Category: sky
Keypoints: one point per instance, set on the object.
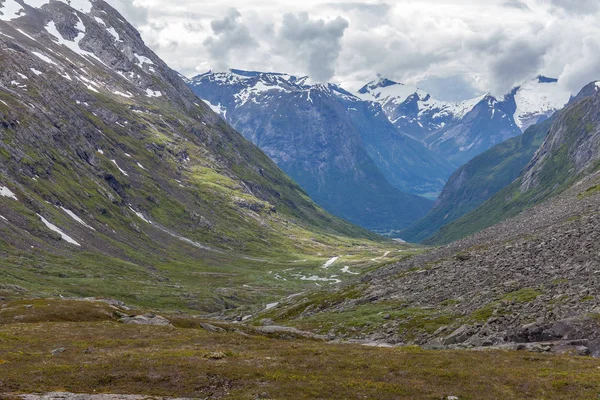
(455, 49)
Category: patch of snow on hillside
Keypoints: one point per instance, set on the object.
(76, 218)
(153, 93)
(219, 109)
(143, 60)
(113, 33)
(54, 228)
(128, 95)
(330, 262)
(140, 216)
(73, 45)
(35, 71)
(25, 34)
(123, 172)
(346, 270)
(43, 57)
(6, 192)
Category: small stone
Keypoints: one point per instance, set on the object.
(387, 316)
(58, 351)
(219, 355)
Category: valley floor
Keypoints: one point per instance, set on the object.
(80, 347)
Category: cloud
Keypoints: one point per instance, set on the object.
(451, 88)
(577, 6)
(517, 62)
(585, 69)
(516, 4)
(438, 44)
(135, 13)
(316, 43)
(379, 9)
(230, 35)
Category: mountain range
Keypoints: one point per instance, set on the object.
(415, 141)
(344, 152)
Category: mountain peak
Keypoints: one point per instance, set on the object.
(545, 79)
(380, 82)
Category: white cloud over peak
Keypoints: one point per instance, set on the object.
(454, 48)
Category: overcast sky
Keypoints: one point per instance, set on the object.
(452, 48)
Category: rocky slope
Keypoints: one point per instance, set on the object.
(342, 151)
(571, 150)
(461, 131)
(115, 178)
(529, 282)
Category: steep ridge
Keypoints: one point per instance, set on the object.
(478, 180)
(461, 131)
(571, 150)
(342, 151)
(115, 178)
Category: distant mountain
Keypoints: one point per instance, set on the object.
(570, 152)
(461, 131)
(342, 150)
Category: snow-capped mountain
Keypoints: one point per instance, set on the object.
(461, 131)
(323, 135)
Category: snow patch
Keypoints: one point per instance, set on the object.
(123, 172)
(271, 305)
(140, 216)
(127, 95)
(330, 262)
(76, 218)
(219, 109)
(535, 99)
(6, 192)
(35, 71)
(54, 228)
(153, 93)
(44, 58)
(25, 34)
(346, 270)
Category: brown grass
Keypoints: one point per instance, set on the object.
(103, 356)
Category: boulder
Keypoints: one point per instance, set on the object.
(458, 336)
(146, 319)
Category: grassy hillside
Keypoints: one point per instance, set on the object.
(570, 152)
(478, 180)
(117, 181)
